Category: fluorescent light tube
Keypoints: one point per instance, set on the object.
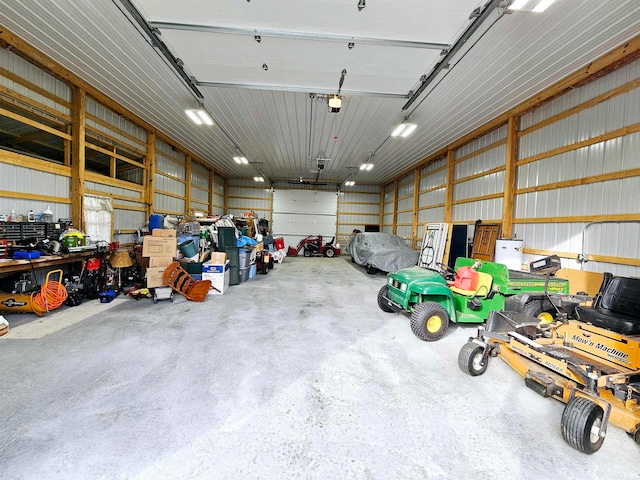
(205, 117)
(409, 128)
(518, 4)
(193, 116)
(398, 130)
(542, 6)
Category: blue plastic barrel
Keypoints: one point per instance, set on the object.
(156, 221)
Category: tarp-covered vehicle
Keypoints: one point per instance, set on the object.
(381, 251)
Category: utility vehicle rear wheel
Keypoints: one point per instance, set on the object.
(371, 269)
(470, 358)
(429, 321)
(541, 308)
(329, 252)
(382, 302)
(581, 421)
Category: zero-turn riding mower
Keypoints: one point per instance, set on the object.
(466, 295)
(588, 357)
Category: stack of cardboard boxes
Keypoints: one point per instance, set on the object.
(217, 270)
(160, 247)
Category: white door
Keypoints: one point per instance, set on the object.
(300, 213)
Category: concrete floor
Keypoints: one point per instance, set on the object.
(292, 375)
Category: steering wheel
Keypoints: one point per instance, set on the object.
(446, 271)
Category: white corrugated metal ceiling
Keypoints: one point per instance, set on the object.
(266, 96)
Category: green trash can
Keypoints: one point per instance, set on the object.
(233, 255)
(226, 238)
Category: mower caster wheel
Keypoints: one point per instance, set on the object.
(155, 298)
(581, 423)
(382, 302)
(470, 359)
(429, 321)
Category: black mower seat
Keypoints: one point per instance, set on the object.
(616, 308)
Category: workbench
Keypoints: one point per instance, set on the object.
(8, 266)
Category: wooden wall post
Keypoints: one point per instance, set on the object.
(510, 177)
(151, 173)
(416, 206)
(78, 157)
(448, 202)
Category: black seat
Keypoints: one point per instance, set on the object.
(616, 307)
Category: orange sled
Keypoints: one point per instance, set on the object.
(180, 281)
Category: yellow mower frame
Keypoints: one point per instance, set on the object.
(595, 371)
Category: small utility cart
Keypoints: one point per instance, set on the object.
(162, 293)
(587, 357)
(465, 295)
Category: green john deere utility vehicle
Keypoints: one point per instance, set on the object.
(466, 294)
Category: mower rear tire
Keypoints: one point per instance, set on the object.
(581, 421)
(329, 252)
(429, 321)
(382, 302)
(540, 308)
(470, 358)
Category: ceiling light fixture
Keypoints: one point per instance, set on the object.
(335, 102)
(366, 166)
(241, 160)
(199, 116)
(404, 129)
(258, 179)
(349, 183)
(537, 6)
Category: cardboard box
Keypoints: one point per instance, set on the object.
(160, 261)
(219, 276)
(159, 246)
(154, 277)
(218, 258)
(164, 232)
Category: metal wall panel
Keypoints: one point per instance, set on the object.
(488, 139)
(27, 71)
(405, 203)
(170, 185)
(482, 210)
(597, 199)
(117, 121)
(430, 215)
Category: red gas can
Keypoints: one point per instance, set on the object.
(466, 279)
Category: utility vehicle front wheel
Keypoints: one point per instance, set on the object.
(540, 308)
(470, 359)
(429, 321)
(581, 422)
(382, 302)
(307, 253)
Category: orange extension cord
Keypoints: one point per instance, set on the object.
(52, 294)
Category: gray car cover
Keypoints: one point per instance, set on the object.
(384, 251)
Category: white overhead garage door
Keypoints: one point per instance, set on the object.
(299, 213)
